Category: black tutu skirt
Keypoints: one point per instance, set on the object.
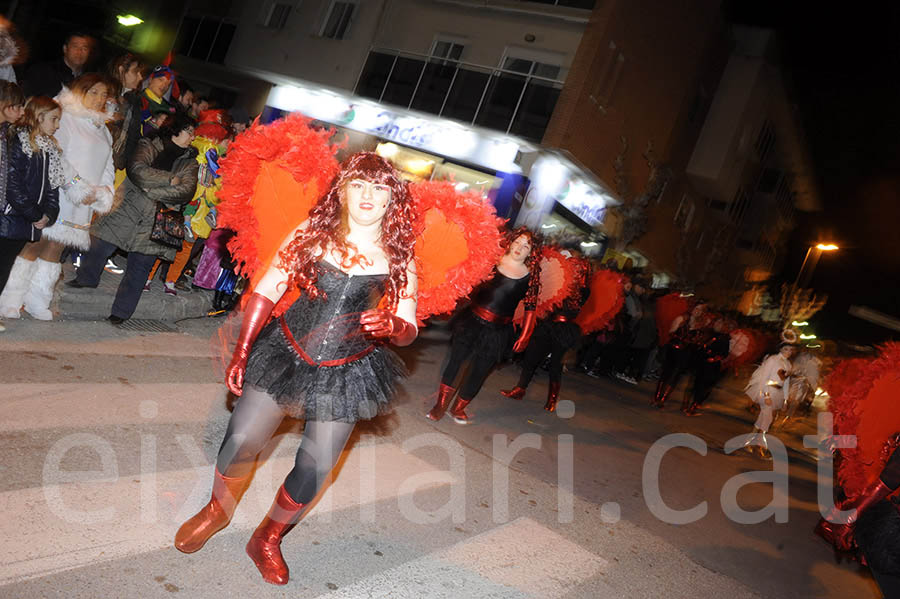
(358, 390)
(564, 335)
(483, 340)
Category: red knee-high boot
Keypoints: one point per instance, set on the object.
(214, 516)
(264, 547)
(458, 411)
(552, 397)
(445, 395)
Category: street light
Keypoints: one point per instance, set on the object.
(822, 247)
(128, 20)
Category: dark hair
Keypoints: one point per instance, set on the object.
(122, 63)
(10, 95)
(175, 124)
(78, 33)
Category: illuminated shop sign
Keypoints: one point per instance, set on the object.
(431, 134)
(554, 181)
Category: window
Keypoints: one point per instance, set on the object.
(531, 67)
(277, 15)
(205, 38)
(337, 22)
(447, 49)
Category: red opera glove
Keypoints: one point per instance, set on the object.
(527, 330)
(255, 316)
(840, 534)
(382, 324)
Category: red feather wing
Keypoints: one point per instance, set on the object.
(606, 299)
(458, 242)
(271, 177)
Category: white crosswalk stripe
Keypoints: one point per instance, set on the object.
(516, 560)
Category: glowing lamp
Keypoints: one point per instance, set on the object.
(805, 337)
(827, 247)
(128, 20)
(799, 324)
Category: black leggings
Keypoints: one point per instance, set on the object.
(541, 344)
(255, 419)
(676, 361)
(474, 378)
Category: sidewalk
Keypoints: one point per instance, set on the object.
(94, 304)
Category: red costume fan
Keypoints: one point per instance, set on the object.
(668, 308)
(559, 279)
(606, 299)
(867, 408)
(275, 173)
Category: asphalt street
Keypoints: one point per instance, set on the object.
(108, 438)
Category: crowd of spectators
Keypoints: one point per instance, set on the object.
(114, 169)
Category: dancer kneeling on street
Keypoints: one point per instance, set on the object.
(484, 334)
(324, 359)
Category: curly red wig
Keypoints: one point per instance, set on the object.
(533, 262)
(327, 228)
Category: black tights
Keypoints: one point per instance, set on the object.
(474, 378)
(539, 346)
(255, 419)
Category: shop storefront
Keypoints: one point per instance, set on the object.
(542, 189)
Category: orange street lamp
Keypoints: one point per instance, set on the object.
(822, 247)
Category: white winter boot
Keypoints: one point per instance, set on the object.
(40, 293)
(14, 293)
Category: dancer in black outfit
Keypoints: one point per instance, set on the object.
(678, 353)
(707, 359)
(556, 335)
(484, 334)
(326, 358)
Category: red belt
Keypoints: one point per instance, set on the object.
(485, 314)
(308, 359)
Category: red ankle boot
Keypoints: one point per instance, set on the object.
(516, 392)
(458, 411)
(445, 396)
(264, 547)
(214, 516)
(552, 397)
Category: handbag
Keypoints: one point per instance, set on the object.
(168, 226)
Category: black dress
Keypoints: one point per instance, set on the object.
(315, 360)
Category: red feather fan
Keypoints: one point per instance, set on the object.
(668, 308)
(864, 400)
(559, 280)
(606, 299)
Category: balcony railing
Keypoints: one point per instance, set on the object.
(509, 101)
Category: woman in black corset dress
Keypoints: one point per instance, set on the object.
(484, 334)
(325, 359)
(556, 335)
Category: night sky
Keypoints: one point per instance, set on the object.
(843, 69)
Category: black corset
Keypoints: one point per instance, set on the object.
(326, 330)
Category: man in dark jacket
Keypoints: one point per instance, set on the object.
(48, 78)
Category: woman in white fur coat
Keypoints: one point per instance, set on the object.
(87, 152)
